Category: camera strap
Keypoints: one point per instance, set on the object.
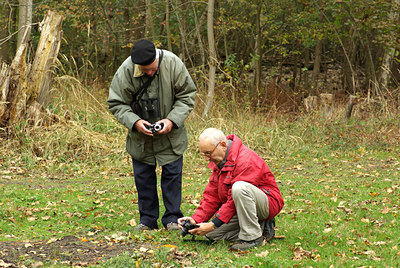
(143, 88)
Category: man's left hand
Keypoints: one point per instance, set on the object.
(167, 126)
(204, 229)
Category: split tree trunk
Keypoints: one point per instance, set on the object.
(25, 88)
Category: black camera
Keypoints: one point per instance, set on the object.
(186, 226)
(155, 127)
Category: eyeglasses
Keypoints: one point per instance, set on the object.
(208, 154)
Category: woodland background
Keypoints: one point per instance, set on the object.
(266, 54)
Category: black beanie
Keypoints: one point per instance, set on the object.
(143, 52)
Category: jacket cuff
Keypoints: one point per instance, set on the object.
(217, 222)
(133, 126)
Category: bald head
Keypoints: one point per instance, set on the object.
(213, 135)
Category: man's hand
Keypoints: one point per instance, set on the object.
(140, 126)
(167, 126)
(180, 221)
(204, 228)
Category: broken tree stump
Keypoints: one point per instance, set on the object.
(23, 86)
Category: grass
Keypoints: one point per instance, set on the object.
(339, 181)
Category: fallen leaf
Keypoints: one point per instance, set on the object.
(131, 222)
(385, 210)
(169, 246)
(31, 219)
(262, 254)
(51, 240)
(143, 249)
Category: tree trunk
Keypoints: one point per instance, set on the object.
(371, 79)
(46, 54)
(350, 106)
(128, 34)
(24, 20)
(181, 19)
(316, 68)
(199, 43)
(388, 54)
(258, 52)
(149, 22)
(317, 58)
(349, 51)
(386, 66)
(23, 88)
(167, 15)
(4, 33)
(213, 58)
(306, 80)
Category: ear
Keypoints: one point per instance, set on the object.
(224, 145)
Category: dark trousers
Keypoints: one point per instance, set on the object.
(171, 187)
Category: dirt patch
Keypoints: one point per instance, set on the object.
(69, 250)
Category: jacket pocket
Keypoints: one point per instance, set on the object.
(135, 144)
(178, 140)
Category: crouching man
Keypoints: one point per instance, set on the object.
(241, 194)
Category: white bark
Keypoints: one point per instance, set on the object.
(24, 20)
(213, 58)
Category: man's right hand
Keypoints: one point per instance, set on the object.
(180, 221)
(140, 126)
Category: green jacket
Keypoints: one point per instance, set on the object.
(176, 91)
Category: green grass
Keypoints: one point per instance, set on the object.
(340, 183)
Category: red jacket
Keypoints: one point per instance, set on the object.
(242, 164)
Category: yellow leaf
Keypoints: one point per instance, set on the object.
(169, 246)
(51, 240)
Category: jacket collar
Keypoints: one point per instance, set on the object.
(232, 154)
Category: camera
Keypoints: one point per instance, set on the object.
(154, 128)
(186, 226)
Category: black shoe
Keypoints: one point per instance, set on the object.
(245, 245)
(269, 229)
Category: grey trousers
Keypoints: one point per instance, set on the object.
(252, 209)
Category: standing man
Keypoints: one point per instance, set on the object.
(166, 102)
(241, 193)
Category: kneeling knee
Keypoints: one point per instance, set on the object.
(238, 188)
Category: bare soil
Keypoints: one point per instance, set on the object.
(70, 251)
